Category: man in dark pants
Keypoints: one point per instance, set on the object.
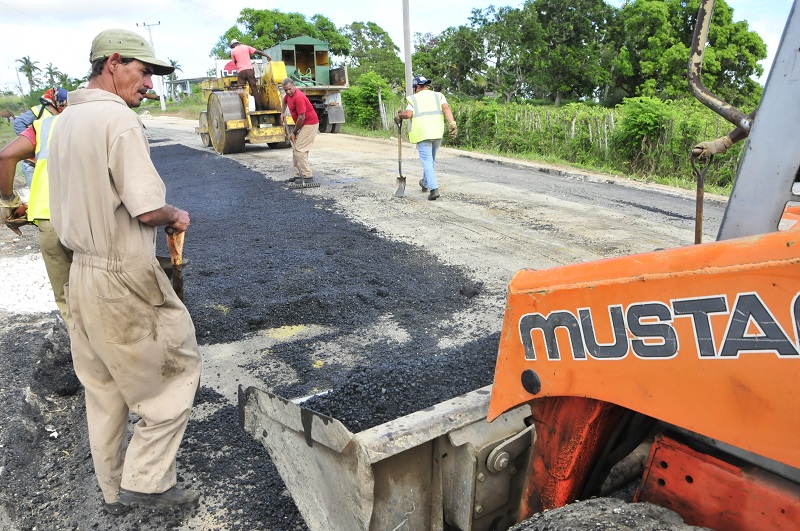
(240, 54)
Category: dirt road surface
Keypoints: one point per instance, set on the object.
(394, 304)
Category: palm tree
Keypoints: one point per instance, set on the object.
(173, 76)
(29, 70)
(51, 73)
(63, 80)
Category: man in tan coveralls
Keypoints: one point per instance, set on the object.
(133, 341)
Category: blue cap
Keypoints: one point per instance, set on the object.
(61, 96)
(420, 80)
(55, 96)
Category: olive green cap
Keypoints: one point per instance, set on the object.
(128, 44)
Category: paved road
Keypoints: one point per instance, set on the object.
(511, 214)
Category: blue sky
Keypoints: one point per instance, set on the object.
(188, 29)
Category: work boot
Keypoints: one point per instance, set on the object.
(309, 179)
(293, 179)
(422, 185)
(433, 195)
(115, 509)
(173, 498)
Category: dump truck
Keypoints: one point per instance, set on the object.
(230, 119)
(307, 62)
(692, 353)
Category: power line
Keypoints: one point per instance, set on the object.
(150, 33)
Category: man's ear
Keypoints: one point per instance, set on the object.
(114, 60)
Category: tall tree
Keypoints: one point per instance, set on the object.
(451, 60)
(575, 34)
(29, 69)
(654, 52)
(513, 41)
(372, 50)
(263, 28)
(69, 83)
(173, 76)
(51, 74)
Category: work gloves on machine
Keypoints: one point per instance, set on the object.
(397, 118)
(719, 146)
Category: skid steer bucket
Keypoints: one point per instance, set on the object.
(443, 466)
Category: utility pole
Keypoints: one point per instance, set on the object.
(149, 32)
(407, 47)
(19, 81)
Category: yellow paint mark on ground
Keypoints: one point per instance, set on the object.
(220, 308)
(284, 332)
(318, 364)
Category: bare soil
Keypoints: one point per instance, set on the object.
(394, 304)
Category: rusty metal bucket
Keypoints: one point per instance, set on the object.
(442, 464)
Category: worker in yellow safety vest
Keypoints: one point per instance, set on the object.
(34, 142)
(50, 103)
(427, 110)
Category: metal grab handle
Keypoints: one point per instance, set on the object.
(700, 174)
(699, 40)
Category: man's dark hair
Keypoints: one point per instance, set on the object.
(97, 66)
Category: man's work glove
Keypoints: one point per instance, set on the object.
(13, 213)
(703, 150)
(453, 129)
(397, 118)
(17, 220)
(8, 204)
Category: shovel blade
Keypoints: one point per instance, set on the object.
(401, 187)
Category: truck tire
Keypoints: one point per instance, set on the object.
(335, 128)
(324, 124)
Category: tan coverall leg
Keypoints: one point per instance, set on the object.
(134, 348)
(57, 260)
(301, 147)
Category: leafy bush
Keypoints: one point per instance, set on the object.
(641, 131)
(642, 136)
(361, 100)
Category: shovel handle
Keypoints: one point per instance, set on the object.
(175, 244)
(400, 149)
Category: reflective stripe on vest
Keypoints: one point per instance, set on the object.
(41, 112)
(428, 120)
(39, 200)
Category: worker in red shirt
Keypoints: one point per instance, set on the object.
(306, 125)
(245, 74)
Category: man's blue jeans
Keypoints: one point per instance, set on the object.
(427, 156)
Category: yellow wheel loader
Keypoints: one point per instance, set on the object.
(230, 119)
(692, 352)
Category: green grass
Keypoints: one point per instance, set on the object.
(675, 181)
(7, 133)
(190, 107)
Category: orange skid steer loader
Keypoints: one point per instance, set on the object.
(693, 351)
